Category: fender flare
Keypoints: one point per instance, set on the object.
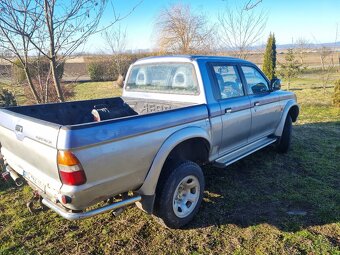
(290, 104)
(150, 183)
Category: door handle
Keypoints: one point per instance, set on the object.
(256, 103)
(227, 110)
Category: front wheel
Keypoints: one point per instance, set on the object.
(181, 194)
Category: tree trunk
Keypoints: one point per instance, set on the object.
(30, 84)
(49, 10)
(46, 92)
(56, 80)
(322, 63)
(120, 81)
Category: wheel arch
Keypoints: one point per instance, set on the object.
(174, 145)
(292, 109)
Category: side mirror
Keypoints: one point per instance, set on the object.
(276, 84)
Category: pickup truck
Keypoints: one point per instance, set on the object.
(176, 113)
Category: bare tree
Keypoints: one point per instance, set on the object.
(180, 30)
(302, 46)
(19, 20)
(335, 43)
(115, 39)
(326, 55)
(240, 29)
(54, 29)
(66, 25)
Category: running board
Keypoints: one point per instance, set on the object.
(243, 152)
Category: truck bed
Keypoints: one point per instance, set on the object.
(79, 112)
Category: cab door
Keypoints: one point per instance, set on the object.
(235, 107)
(265, 105)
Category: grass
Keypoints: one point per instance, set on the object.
(267, 203)
(90, 90)
(80, 91)
(17, 90)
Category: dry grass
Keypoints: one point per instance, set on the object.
(90, 90)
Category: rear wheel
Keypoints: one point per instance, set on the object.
(179, 198)
(283, 144)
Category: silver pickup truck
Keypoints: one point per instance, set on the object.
(147, 147)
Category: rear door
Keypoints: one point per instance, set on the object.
(265, 105)
(235, 106)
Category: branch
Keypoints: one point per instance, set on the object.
(118, 18)
(251, 5)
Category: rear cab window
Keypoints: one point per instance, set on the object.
(169, 78)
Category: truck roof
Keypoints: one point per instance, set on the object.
(191, 58)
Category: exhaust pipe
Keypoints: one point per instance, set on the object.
(16, 178)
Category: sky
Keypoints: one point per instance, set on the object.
(314, 20)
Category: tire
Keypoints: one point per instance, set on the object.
(180, 195)
(283, 144)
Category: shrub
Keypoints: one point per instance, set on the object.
(7, 98)
(18, 74)
(96, 71)
(112, 69)
(291, 68)
(336, 95)
(36, 66)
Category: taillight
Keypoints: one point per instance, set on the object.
(70, 170)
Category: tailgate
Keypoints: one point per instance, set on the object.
(29, 147)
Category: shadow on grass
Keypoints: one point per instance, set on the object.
(290, 191)
(6, 185)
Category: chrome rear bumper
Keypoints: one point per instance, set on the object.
(83, 215)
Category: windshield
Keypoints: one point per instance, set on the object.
(169, 78)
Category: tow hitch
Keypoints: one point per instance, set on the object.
(118, 211)
(31, 203)
(19, 181)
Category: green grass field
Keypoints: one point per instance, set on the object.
(267, 203)
(90, 90)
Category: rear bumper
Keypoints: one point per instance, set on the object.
(83, 215)
(68, 214)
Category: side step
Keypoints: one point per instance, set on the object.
(243, 152)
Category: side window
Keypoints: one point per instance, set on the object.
(228, 80)
(256, 83)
